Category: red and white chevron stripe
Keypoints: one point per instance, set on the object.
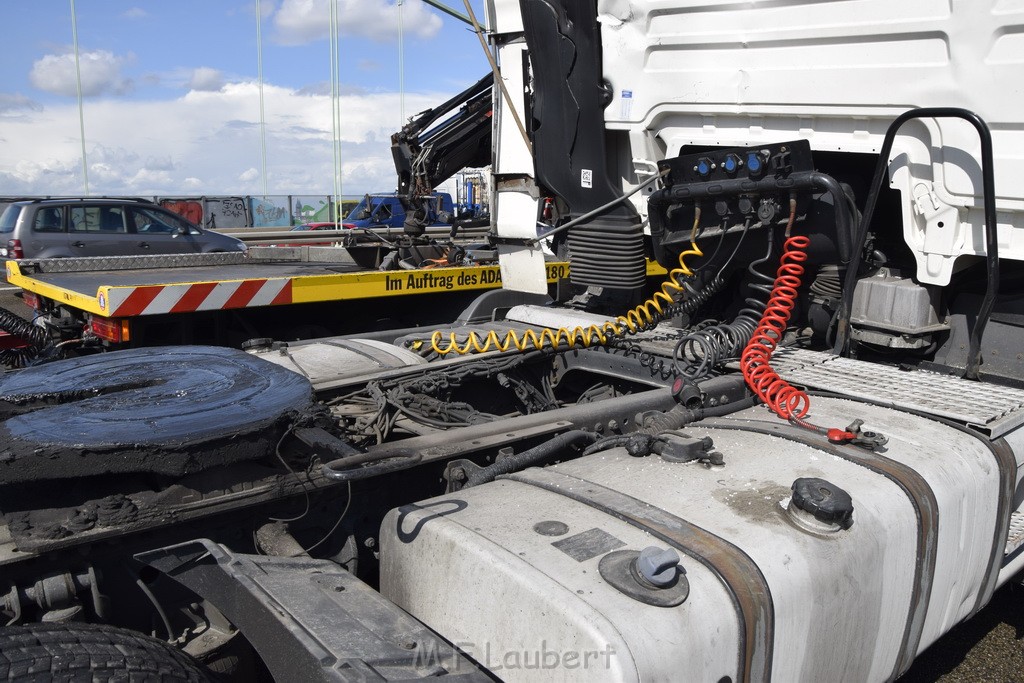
(203, 296)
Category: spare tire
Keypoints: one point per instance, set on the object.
(91, 652)
(163, 410)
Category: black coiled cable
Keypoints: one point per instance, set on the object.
(659, 365)
(696, 299)
(16, 326)
(697, 354)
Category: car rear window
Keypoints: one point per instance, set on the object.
(106, 218)
(9, 218)
(49, 219)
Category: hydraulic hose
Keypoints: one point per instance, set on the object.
(351, 465)
(785, 400)
(781, 397)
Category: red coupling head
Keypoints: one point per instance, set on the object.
(836, 435)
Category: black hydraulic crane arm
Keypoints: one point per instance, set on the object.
(437, 143)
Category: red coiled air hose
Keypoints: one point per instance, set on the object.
(784, 399)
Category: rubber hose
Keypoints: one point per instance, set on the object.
(678, 417)
(536, 454)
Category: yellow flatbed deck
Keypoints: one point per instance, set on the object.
(120, 287)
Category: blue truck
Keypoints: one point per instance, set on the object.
(385, 210)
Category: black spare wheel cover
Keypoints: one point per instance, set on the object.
(162, 410)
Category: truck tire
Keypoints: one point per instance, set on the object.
(91, 652)
(171, 411)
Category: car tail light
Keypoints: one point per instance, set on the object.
(14, 249)
(114, 330)
(31, 300)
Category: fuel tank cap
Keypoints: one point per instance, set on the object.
(823, 500)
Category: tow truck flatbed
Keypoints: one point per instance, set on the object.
(151, 285)
(130, 288)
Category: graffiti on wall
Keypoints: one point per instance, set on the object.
(310, 210)
(190, 209)
(226, 212)
(246, 211)
(210, 212)
(266, 212)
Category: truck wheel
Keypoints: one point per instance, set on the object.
(91, 652)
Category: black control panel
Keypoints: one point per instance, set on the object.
(740, 186)
(777, 160)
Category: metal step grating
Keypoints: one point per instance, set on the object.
(993, 409)
(1015, 539)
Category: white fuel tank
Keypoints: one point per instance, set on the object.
(534, 576)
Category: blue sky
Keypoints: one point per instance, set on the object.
(171, 98)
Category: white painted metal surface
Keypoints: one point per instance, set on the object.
(325, 360)
(688, 72)
(964, 478)
(504, 593)
(516, 202)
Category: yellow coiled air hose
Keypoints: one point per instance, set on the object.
(633, 321)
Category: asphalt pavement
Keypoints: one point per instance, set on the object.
(987, 648)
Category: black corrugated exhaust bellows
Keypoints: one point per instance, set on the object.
(608, 252)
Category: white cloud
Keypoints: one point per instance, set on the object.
(15, 104)
(135, 13)
(205, 142)
(100, 70)
(303, 21)
(206, 78)
(147, 181)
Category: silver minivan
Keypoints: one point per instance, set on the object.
(61, 228)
